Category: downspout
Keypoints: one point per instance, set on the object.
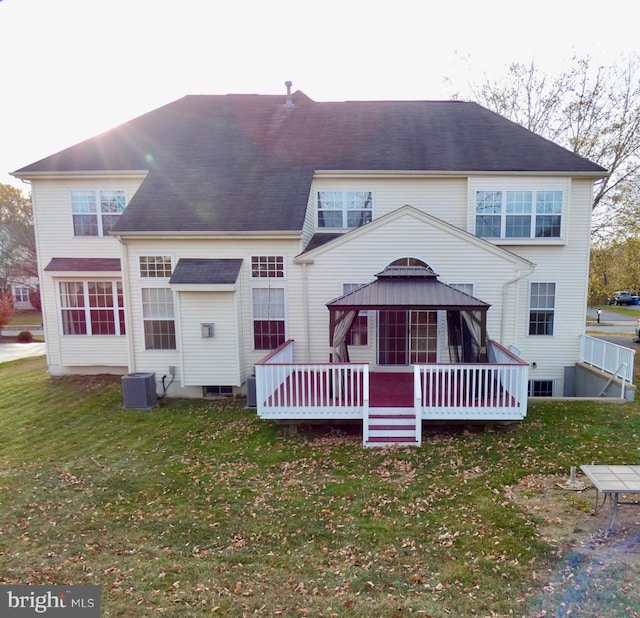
(503, 332)
(305, 308)
(126, 293)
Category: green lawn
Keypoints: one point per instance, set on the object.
(26, 318)
(199, 508)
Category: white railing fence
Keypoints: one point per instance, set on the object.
(474, 391)
(609, 357)
(310, 390)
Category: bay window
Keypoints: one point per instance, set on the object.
(92, 308)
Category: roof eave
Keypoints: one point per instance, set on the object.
(205, 234)
(456, 174)
(69, 175)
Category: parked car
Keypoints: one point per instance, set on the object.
(623, 297)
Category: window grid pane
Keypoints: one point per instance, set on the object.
(268, 318)
(542, 308)
(112, 202)
(540, 388)
(155, 266)
(344, 209)
(159, 335)
(516, 218)
(157, 303)
(158, 314)
(88, 219)
(267, 267)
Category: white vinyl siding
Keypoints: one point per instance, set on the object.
(445, 198)
(373, 248)
(55, 238)
(210, 360)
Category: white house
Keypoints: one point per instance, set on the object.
(221, 237)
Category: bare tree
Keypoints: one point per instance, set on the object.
(17, 241)
(592, 110)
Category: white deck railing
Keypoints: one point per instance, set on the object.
(472, 392)
(610, 357)
(310, 390)
(287, 390)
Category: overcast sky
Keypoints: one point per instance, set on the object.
(74, 68)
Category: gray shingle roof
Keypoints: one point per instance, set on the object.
(403, 287)
(245, 162)
(83, 264)
(203, 271)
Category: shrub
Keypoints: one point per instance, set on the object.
(25, 336)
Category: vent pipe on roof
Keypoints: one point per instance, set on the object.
(289, 99)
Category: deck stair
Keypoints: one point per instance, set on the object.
(389, 428)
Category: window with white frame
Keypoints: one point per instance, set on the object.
(519, 214)
(542, 308)
(358, 334)
(96, 212)
(344, 209)
(267, 267)
(20, 294)
(155, 266)
(92, 308)
(268, 305)
(159, 319)
(467, 288)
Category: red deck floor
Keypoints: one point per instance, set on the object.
(386, 390)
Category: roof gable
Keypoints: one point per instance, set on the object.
(320, 245)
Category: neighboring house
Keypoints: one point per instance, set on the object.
(21, 290)
(195, 240)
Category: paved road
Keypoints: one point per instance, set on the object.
(14, 351)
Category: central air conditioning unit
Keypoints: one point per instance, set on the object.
(139, 391)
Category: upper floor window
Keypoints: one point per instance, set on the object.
(344, 209)
(267, 267)
(467, 288)
(155, 266)
(92, 308)
(519, 214)
(20, 294)
(96, 212)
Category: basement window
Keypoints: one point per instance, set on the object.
(217, 391)
(540, 388)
